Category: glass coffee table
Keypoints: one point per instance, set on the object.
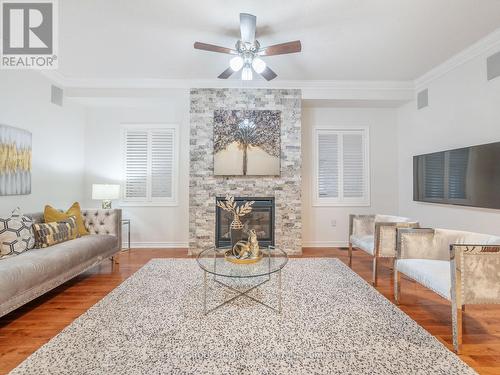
(212, 261)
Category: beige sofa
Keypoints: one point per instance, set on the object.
(376, 236)
(27, 276)
(462, 267)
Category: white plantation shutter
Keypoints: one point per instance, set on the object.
(150, 164)
(136, 164)
(353, 162)
(162, 163)
(341, 167)
(328, 165)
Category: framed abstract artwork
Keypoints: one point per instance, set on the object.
(15, 161)
(247, 142)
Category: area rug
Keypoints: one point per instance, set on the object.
(333, 322)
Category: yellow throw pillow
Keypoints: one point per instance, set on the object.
(50, 214)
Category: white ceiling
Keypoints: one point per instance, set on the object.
(341, 39)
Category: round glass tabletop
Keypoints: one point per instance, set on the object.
(212, 260)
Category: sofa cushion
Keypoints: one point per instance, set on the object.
(16, 234)
(433, 274)
(365, 243)
(28, 270)
(50, 214)
(49, 234)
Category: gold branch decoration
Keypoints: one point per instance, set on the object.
(231, 206)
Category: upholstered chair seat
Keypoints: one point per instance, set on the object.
(462, 267)
(365, 243)
(376, 236)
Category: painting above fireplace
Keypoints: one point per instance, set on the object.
(247, 142)
(261, 219)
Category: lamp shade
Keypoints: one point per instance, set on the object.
(101, 191)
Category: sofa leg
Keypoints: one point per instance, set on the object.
(456, 317)
(115, 259)
(350, 254)
(374, 281)
(397, 286)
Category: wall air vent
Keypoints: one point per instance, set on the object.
(493, 66)
(56, 95)
(423, 99)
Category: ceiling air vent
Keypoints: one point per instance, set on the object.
(423, 99)
(493, 66)
(56, 95)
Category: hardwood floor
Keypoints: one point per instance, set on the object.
(23, 331)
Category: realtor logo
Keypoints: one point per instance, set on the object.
(29, 34)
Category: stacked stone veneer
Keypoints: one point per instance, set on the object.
(204, 186)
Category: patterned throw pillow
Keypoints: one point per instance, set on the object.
(48, 234)
(16, 234)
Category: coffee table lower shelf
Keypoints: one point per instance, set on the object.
(240, 293)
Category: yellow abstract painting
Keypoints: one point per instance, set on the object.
(15, 161)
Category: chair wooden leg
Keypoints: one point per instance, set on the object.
(374, 281)
(350, 254)
(397, 286)
(457, 324)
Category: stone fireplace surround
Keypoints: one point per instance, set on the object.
(204, 186)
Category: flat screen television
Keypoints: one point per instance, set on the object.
(467, 176)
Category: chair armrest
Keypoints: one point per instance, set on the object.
(415, 243)
(475, 270)
(386, 237)
(361, 225)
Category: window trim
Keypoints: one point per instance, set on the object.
(317, 201)
(149, 202)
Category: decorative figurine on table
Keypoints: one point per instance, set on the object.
(245, 252)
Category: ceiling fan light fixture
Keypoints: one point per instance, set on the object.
(258, 65)
(246, 74)
(236, 63)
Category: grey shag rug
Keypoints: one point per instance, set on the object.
(333, 322)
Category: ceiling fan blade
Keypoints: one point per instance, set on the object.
(268, 74)
(281, 49)
(247, 26)
(214, 48)
(226, 73)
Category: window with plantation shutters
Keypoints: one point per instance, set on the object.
(150, 164)
(341, 167)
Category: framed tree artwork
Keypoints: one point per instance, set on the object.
(15, 161)
(247, 142)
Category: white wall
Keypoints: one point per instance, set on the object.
(150, 226)
(57, 168)
(464, 110)
(382, 122)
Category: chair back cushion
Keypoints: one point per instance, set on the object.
(391, 219)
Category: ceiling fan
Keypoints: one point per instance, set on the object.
(248, 52)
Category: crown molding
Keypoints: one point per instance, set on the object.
(483, 46)
(311, 89)
(91, 83)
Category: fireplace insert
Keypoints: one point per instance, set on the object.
(261, 219)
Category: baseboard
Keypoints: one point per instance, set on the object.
(325, 244)
(157, 245)
(185, 245)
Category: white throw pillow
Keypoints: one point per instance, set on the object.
(16, 234)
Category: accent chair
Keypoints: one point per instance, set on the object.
(376, 236)
(462, 267)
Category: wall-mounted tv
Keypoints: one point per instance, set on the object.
(467, 176)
